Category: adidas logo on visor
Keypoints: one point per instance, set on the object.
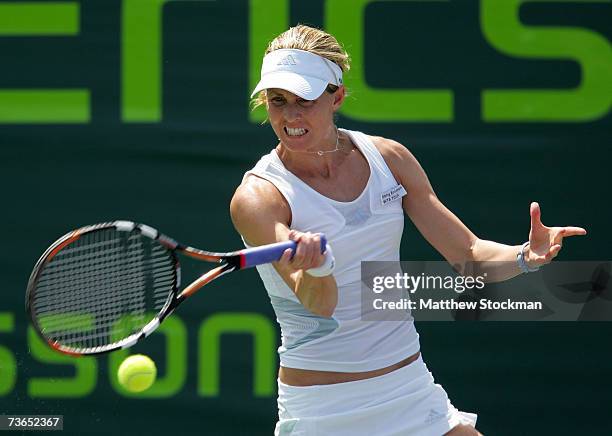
(287, 60)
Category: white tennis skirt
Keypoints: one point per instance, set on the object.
(403, 402)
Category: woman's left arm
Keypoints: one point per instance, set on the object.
(452, 238)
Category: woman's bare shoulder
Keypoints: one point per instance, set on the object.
(258, 204)
(398, 157)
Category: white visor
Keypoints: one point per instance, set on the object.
(303, 73)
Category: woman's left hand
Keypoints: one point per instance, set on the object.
(546, 242)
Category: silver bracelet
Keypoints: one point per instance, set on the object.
(520, 259)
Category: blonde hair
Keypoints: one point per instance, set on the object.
(309, 39)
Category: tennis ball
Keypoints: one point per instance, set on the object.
(137, 373)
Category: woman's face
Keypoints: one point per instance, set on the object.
(303, 125)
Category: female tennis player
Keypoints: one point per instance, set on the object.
(340, 375)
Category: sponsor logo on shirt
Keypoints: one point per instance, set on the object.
(392, 194)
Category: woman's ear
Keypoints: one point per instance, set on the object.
(339, 97)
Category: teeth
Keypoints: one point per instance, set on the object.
(295, 132)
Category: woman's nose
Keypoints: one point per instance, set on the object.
(292, 112)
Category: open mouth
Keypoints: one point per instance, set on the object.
(295, 132)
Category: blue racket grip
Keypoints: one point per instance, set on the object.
(270, 253)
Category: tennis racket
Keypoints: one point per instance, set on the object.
(106, 286)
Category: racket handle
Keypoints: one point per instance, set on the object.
(272, 252)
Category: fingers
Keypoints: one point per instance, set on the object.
(538, 260)
(553, 252)
(563, 232)
(308, 253)
(555, 244)
(572, 231)
(286, 257)
(536, 216)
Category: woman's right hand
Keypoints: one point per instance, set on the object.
(308, 253)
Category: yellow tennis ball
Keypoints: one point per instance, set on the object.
(137, 373)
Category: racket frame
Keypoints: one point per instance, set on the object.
(174, 299)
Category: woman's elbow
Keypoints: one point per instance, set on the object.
(326, 311)
(325, 304)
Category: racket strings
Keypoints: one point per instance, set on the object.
(103, 292)
(102, 288)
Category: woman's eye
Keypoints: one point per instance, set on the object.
(305, 103)
(277, 101)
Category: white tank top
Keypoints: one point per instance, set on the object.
(364, 229)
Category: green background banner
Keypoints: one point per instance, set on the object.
(138, 109)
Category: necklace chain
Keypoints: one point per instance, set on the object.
(322, 152)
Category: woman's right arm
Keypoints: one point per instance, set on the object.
(262, 216)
